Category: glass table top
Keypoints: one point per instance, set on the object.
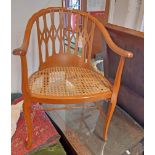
(84, 129)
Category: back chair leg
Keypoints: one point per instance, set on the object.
(109, 115)
(28, 122)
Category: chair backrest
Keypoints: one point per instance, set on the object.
(68, 33)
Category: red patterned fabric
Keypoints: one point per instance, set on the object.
(16, 101)
(44, 132)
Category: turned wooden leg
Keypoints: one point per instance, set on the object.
(109, 115)
(28, 122)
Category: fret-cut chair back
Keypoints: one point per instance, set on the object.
(58, 35)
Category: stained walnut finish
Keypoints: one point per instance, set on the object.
(66, 76)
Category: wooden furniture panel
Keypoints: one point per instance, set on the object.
(131, 96)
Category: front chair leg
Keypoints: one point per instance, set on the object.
(28, 122)
(109, 115)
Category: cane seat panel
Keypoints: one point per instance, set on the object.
(68, 81)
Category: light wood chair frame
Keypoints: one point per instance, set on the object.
(28, 98)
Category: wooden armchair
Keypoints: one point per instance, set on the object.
(67, 76)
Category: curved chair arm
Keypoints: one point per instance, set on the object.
(105, 33)
(109, 41)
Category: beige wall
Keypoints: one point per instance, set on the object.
(121, 7)
(127, 13)
(97, 5)
(21, 10)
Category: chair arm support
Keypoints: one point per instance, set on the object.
(22, 53)
(117, 80)
(24, 74)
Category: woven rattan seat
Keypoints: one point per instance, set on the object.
(68, 81)
(65, 74)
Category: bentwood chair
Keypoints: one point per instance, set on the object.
(67, 76)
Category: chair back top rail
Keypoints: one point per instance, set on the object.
(53, 33)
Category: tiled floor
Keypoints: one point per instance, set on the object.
(83, 128)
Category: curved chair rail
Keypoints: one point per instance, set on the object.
(100, 26)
